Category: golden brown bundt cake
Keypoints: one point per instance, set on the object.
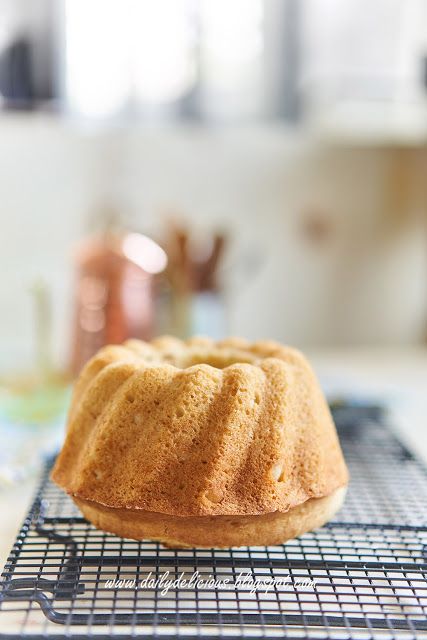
(201, 443)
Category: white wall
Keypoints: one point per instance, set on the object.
(365, 285)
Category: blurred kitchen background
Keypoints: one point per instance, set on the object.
(249, 167)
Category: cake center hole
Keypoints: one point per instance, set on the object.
(219, 359)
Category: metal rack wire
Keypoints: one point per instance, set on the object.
(364, 573)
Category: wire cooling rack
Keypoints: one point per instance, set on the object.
(361, 576)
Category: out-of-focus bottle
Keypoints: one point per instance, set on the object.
(115, 298)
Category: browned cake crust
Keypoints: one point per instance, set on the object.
(214, 531)
(197, 428)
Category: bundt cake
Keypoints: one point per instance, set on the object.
(201, 443)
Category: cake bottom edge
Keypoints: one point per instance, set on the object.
(214, 531)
